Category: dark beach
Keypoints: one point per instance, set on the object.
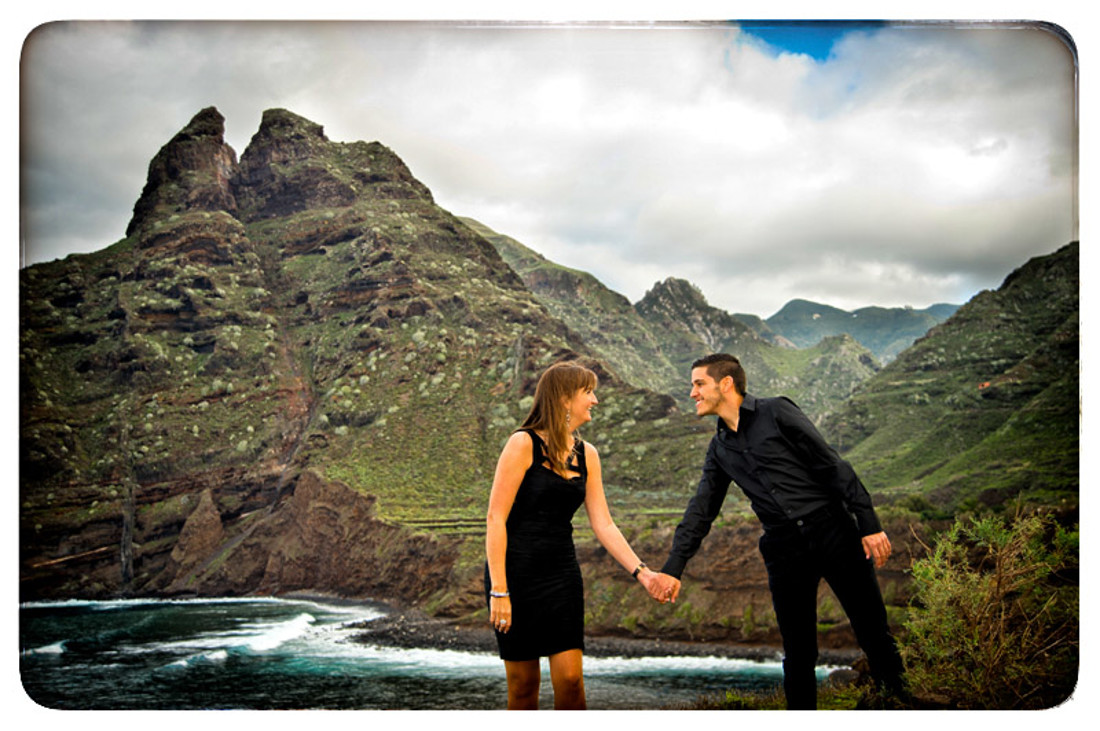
(416, 630)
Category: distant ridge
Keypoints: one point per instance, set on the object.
(886, 331)
(653, 342)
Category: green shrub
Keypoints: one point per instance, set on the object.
(996, 615)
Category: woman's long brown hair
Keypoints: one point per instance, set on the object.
(558, 384)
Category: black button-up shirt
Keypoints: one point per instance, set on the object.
(782, 464)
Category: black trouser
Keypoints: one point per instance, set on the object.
(826, 545)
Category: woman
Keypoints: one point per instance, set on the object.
(532, 580)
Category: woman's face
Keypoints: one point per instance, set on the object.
(580, 406)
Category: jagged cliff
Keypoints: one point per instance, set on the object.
(307, 316)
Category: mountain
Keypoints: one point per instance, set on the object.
(817, 378)
(274, 337)
(653, 342)
(986, 406)
(760, 327)
(885, 331)
(603, 318)
(295, 373)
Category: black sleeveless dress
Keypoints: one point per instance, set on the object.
(544, 579)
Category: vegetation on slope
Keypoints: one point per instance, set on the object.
(313, 312)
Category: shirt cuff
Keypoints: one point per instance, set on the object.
(868, 522)
(674, 566)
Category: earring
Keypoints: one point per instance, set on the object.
(568, 417)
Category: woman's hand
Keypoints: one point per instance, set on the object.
(662, 587)
(500, 613)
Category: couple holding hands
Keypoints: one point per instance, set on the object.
(817, 518)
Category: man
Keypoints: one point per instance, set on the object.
(805, 496)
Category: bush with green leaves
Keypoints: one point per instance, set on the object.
(995, 617)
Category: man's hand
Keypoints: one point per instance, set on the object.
(877, 547)
(662, 587)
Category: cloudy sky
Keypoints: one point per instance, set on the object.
(855, 165)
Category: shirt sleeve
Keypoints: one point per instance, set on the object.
(833, 473)
(701, 512)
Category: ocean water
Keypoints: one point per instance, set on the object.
(263, 654)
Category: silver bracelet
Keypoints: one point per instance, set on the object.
(498, 594)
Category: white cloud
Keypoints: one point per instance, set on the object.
(918, 165)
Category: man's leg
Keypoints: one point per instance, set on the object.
(793, 580)
(851, 576)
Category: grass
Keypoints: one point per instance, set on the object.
(829, 698)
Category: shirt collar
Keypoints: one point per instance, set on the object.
(748, 404)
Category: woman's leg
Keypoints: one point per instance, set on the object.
(523, 684)
(567, 677)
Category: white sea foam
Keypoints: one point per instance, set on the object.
(57, 648)
(671, 663)
(256, 637)
(270, 636)
(439, 663)
(310, 642)
(215, 657)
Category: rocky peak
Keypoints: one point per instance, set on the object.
(290, 166)
(679, 303)
(283, 137)
(192, 172)
(673, 296)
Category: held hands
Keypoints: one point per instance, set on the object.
(662, 587)
(877, 547)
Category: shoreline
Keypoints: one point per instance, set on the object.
(412, 629)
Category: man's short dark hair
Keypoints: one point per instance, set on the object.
(720, 365)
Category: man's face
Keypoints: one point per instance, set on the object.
(705, 392)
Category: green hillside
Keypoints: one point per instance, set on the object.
(983, 408)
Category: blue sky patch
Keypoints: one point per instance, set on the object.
(814, 38)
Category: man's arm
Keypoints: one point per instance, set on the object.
(701, 512)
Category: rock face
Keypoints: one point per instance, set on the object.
(201, 534)
(290, 166)
(679, 309)
(293, 373)
(605, 319)
(191, 173)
